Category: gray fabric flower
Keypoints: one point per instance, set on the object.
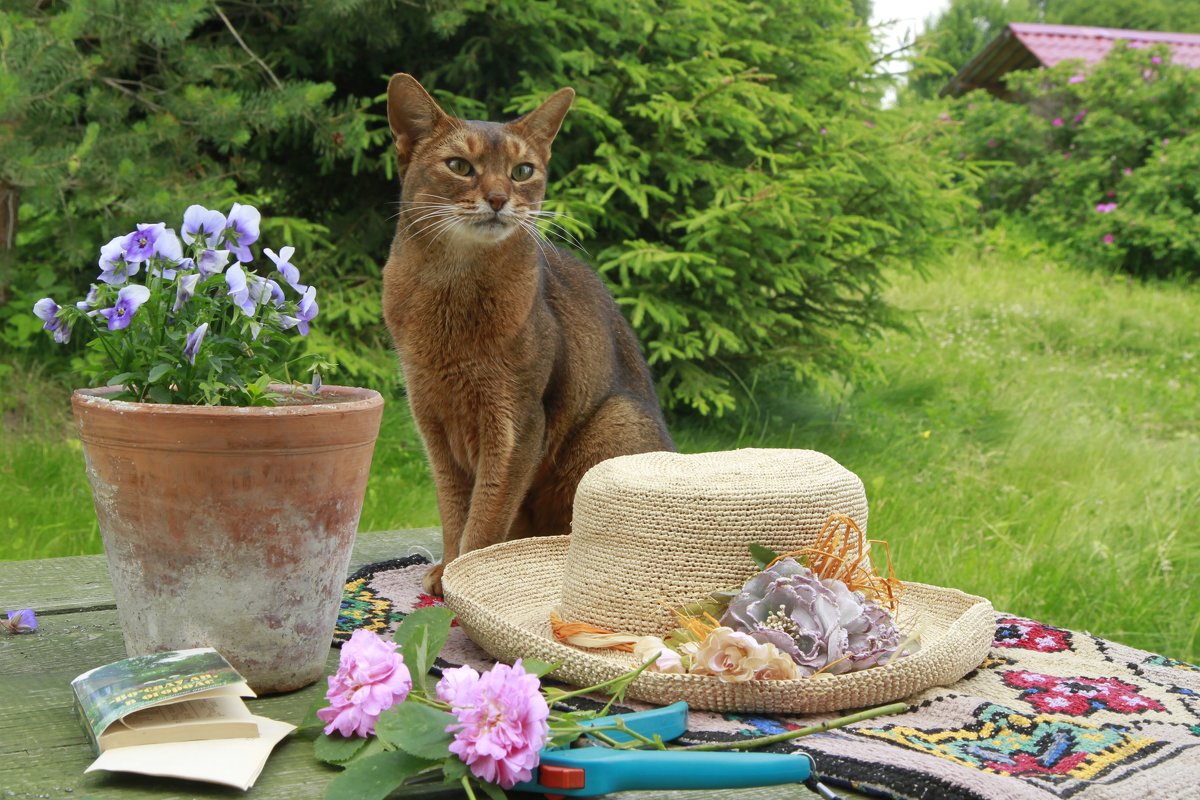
(821, 624)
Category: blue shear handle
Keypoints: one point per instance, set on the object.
(668, 722)
(619, 770)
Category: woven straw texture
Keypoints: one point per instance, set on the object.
(660, 530)
(656, 531)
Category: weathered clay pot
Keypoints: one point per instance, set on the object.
(231, 527)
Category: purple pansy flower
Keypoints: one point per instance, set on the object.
(187, 288)
(205, 225)
(89, 302)
(114, 268)
(238, 290)
(50, 313)
(22, 621)
(129, 300)
(242, 231)
(192, 345)
(212, 262)
(283, 263)
(142, 244)
(306, 309)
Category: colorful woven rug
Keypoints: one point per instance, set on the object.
(1051, 713)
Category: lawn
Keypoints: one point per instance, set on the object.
(1035, 440)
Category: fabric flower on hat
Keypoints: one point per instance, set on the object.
(821, 624)
(371, 678)
(665, 659)
(736, 657)
(502, 721)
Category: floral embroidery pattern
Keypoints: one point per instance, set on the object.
(1079, 697)
(1030, 635)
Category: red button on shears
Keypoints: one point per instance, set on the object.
(560, 777)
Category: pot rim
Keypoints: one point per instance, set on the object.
(364, 399)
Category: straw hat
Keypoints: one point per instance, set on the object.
(657, 531)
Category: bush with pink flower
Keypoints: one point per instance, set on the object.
(1103, 159)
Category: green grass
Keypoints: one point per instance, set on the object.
(1035, 441)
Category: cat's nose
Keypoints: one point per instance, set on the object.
(497, 200)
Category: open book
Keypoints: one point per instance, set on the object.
(177, 714)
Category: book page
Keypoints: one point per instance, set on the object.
(208, 718)
(231, 762)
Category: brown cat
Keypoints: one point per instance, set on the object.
(521, 372)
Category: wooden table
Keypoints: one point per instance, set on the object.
(43, 751)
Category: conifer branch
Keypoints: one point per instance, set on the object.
(246, 47)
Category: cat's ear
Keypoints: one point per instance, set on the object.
(412, 113)
(541, 125)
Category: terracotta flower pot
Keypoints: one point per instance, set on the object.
(231, 527)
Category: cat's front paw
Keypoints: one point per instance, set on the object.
(432, 582)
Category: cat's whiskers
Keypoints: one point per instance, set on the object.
(535, 234)
(438, 213)
(558, 229)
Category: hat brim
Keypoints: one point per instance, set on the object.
(503, 595)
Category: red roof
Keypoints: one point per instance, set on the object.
(1026, 45)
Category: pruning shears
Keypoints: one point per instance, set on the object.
(586, 767)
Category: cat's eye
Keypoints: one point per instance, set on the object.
(522, 172)
(460, 166)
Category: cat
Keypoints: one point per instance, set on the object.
(521, 372)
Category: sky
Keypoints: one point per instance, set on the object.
(906, 16)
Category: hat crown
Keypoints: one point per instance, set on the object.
(656, 531)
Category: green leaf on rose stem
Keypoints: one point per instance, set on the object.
(453, 770)
(762, 555)
(491, 790)
(376, 777)
(337, 749)
(416, 729)
(421, 636)
(540, 668)
(157, 371)
(311, 720)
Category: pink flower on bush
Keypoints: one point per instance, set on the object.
(1077, 78)
(1128, 171)
(1155, 59)
(371, 678)
(501, 721)
(1106, 208)
(1057, 122)
(1079, 117)
(1108, 238)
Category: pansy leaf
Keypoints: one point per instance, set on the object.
(421, 636)
(416, 729)
(160, 394)
(337, 749)
(120, 379)
(375, 777)
(762, 555)
(157, 371)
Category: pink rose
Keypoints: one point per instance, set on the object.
(501, 723)
(371, 678)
